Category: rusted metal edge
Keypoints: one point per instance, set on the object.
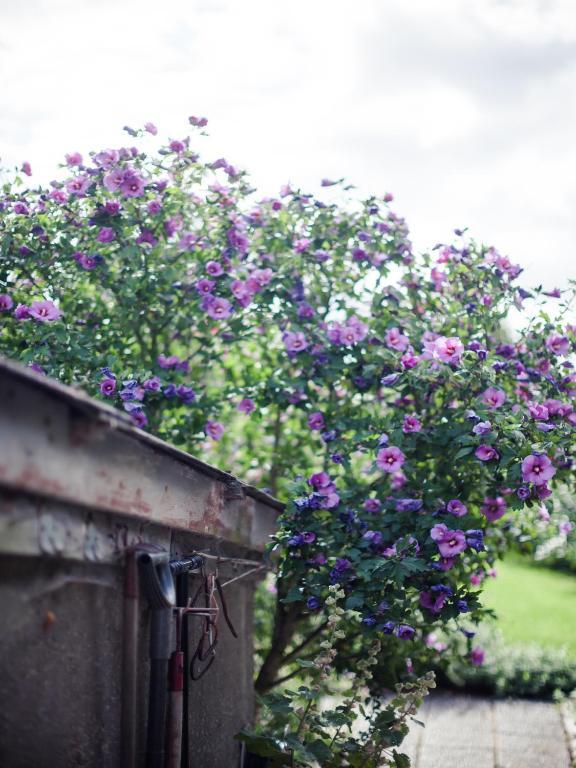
(79, 400)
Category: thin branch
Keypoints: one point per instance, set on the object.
(304, 643)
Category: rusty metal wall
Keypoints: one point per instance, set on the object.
(60, 664)
(78, 485)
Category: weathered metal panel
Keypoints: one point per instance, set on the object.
(60, 670)
(78, 485)
(51, 448)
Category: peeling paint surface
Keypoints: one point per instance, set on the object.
(51, 449)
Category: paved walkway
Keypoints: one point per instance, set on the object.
(471, 732)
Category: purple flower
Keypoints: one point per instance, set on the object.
(305, 310)
(85, 261)
(308, 537)
(313, 603)
(493, 397)
(152, 385)
(409, 505)
(78, 186)
(477, 656)
(198, 122)
(390, 380)
(186, 394)
(151, 128)
(74, 158)
(106, 235)
(482, 428)
(390, 459)
(108, 387)
(411, 424)
(204, 286)
(132, 185)
(523, 492)
(146, 237)
(139, 417)
(447, 350)
(154, 207)
(6, 302)
(450, 543)
(394, 339)
(456, 508)
(405, 632)
(486, 453)
(433, 602)
(493, 508)
(214, 429)
(374, 537)
(372, 505)
(475, 539)
(316, 421)
(246, 405)
(537, 469)
(301, 244)
(538, 412)
(558, 345)
(44, 311)
(214, 269)
(295, 341)
(168, 362)
(219, 309)
(21, 209)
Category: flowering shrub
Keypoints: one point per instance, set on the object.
(297, 334)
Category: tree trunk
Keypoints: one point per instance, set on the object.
(286, 620)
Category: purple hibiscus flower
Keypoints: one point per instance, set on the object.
(493, 508)
(218, 308)
(411, 424)
(405, 632)
(214, 429)
(186, 394)
(477, 656)
(433, 601)
(6, 302)
(493, 397)
(106, 235)
(449, 542)
(456, 508)
(246, 405)
(316, 421)
(390, 459)
(44, 311)
(295, 341)
(214, 269)
(486, 453)
(108, 387)
(537, 469)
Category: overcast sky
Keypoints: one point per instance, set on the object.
(464, 109)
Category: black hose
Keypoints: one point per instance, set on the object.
(158, 698)
(182, 595)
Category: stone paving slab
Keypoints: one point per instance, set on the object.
(463, 731)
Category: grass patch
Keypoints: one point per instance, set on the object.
(534, 604)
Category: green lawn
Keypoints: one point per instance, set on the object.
(534, 605)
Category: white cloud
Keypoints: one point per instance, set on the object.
(466, 109)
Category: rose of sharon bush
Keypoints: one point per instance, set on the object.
(300, 335)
